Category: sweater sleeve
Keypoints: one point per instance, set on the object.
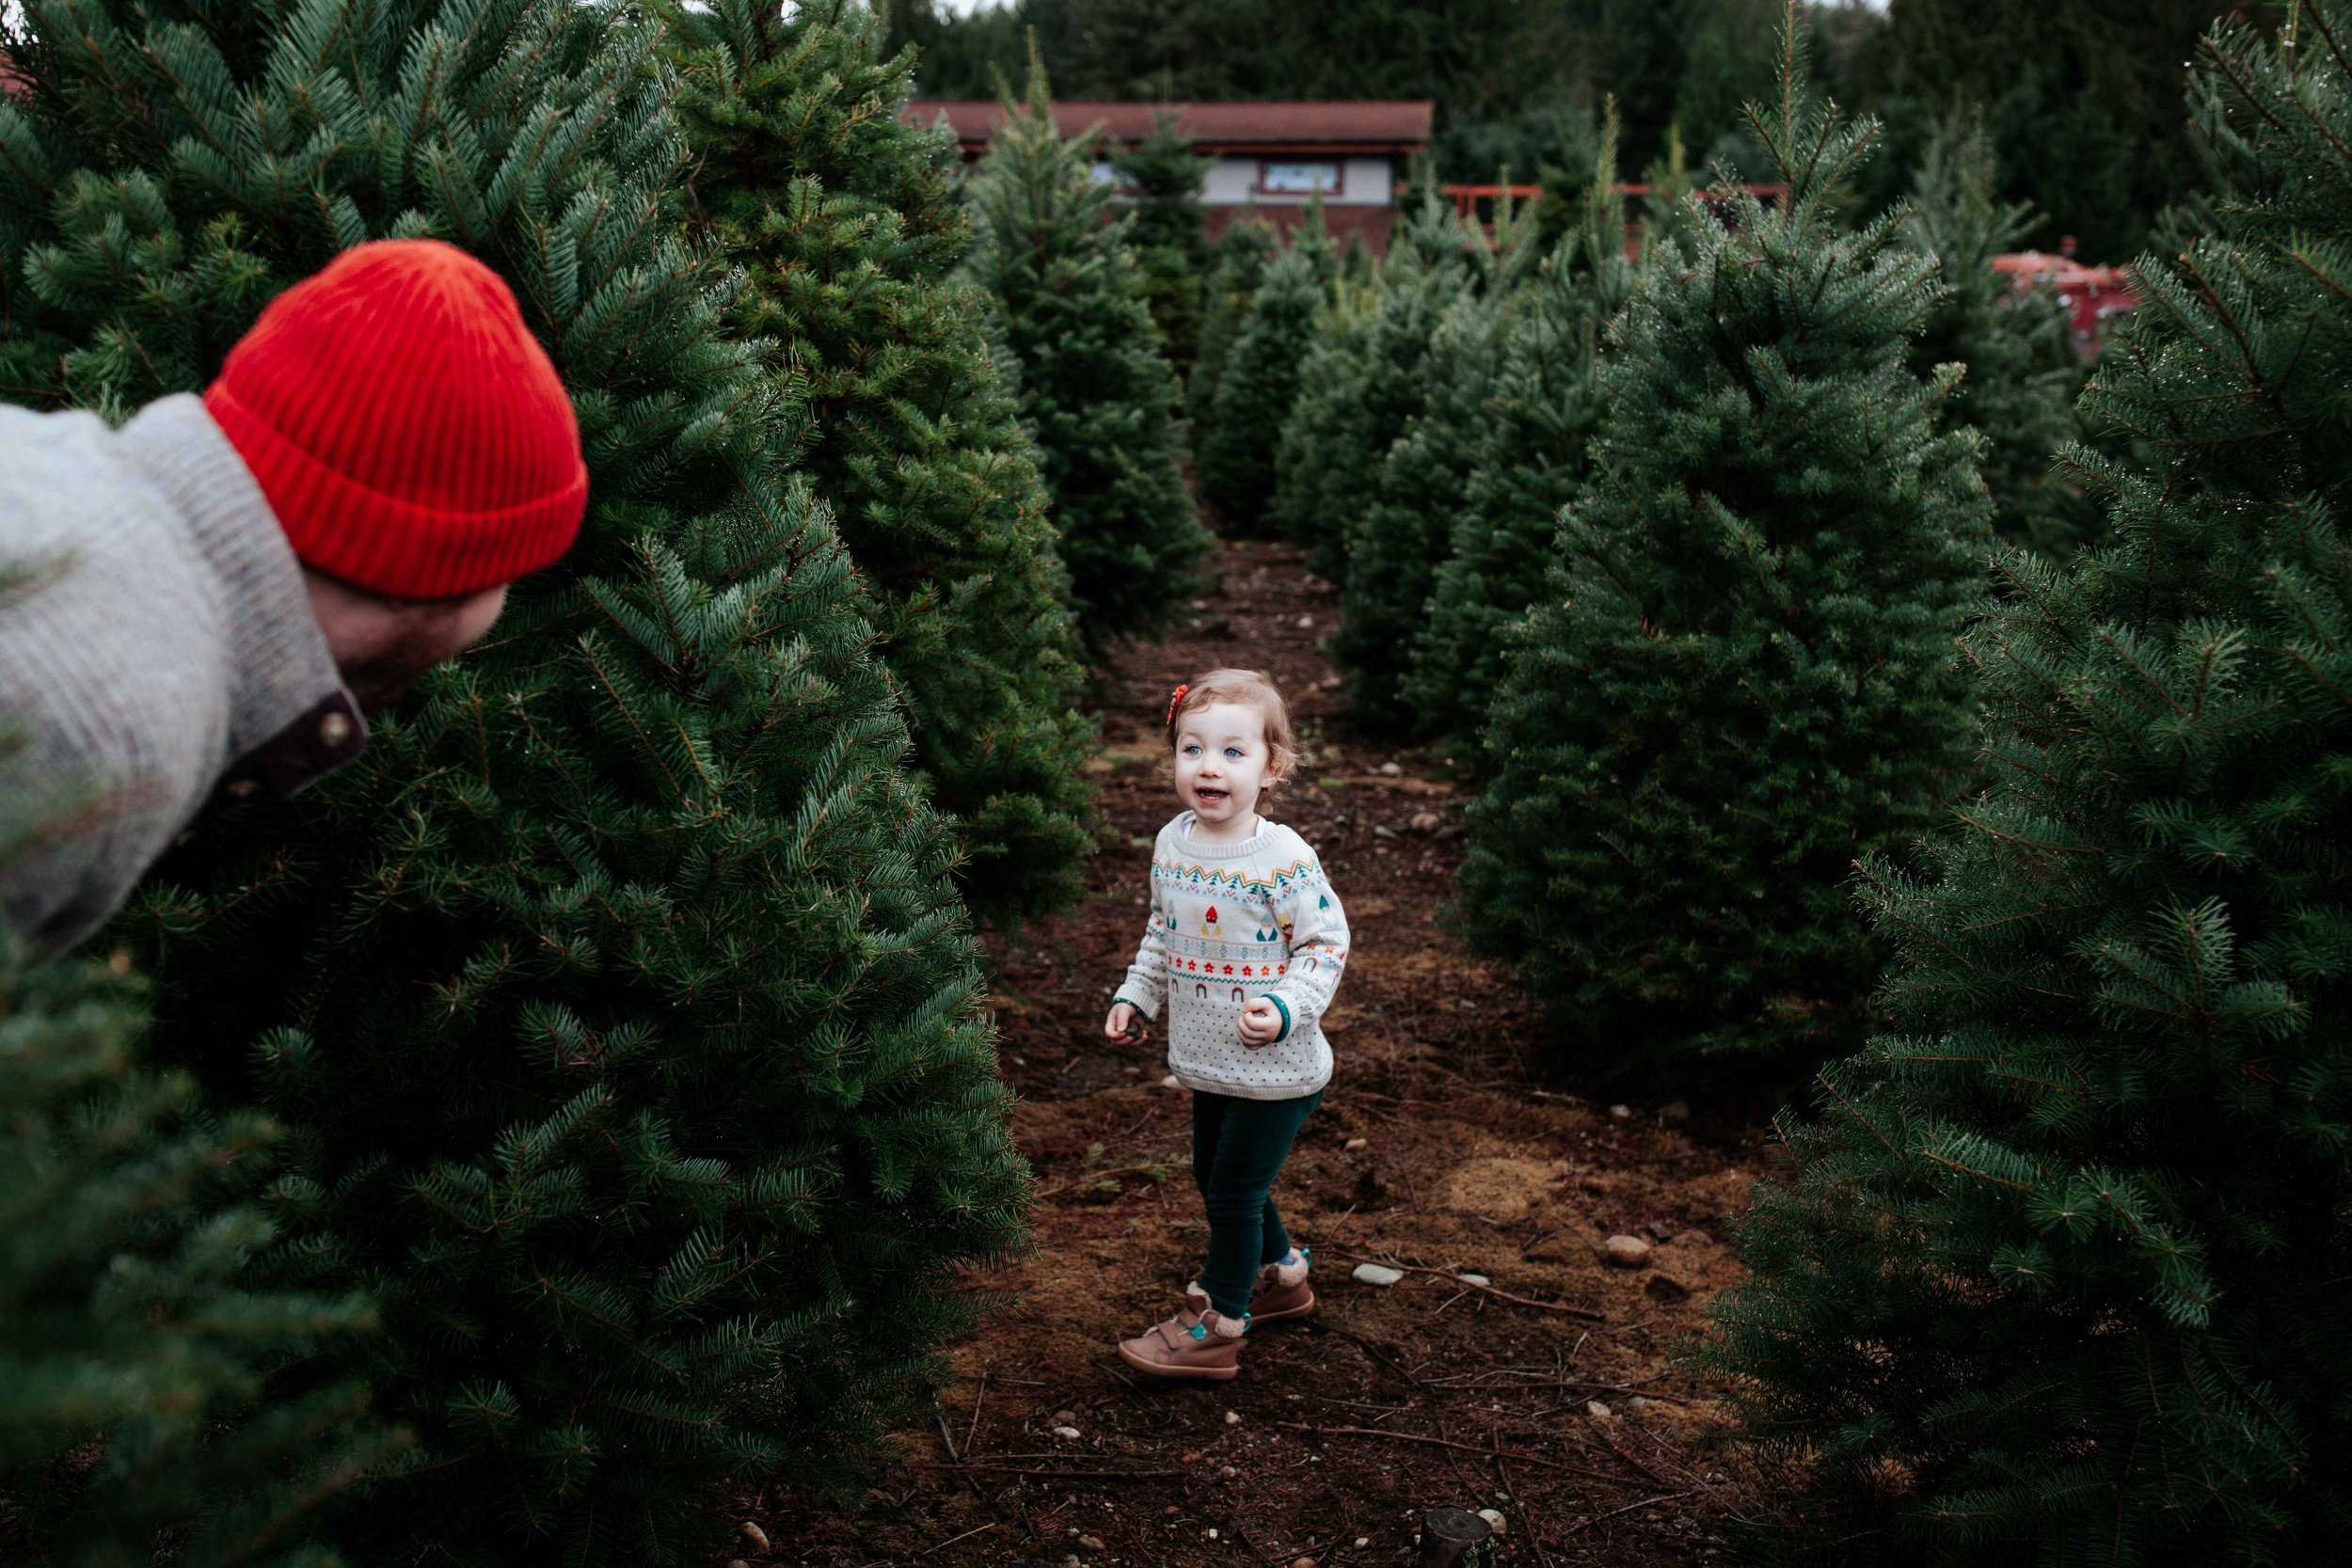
(1311, 913)
(1146, 983)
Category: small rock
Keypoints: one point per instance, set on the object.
(1426, 822)
(1676, 1109)
(1473, 1279)
(1073, 1560)
(1304, 621)
(1357, 1145)
(1171, 1510)
(1226, 1471)
(1627, 1252)
(1392, 770)
(1302, 1562)
(1383, 830)
(1378, 1273)
(1362, 1541)
(1200, 604)
(1661, 1287)
(1132, 1071)
(1212, 1532)
(1066, 1433)
(1621, 1113)
(1170, 1082)
(1066, 1418)
(738, 1562)
(1495, 1521)
(1636, 1402)
(754, 1534)
(1598, 1411)
(1191, 1457)
(1233, 1418)
(1451, 830)
(1091, 1542)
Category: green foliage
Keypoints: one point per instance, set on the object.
(1361, 387)
(1530, 459)
(1167, 230)
(1424, 486)
(618, 1005)
(847, 223)
(1237, 270)
(1741, 672)
(1261, 380)
(2056, 1276)
(127, 1331)
(1094, 387)
(2022, 374)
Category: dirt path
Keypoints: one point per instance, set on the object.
(1441, 1147)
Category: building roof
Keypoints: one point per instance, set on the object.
(1377, 125)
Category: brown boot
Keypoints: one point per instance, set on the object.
(1198, 1342)
(1282, 1291)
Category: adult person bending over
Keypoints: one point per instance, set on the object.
(213, 596)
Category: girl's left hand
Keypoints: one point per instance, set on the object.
(1261, 1023)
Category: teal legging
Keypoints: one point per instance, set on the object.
(1238, 1147)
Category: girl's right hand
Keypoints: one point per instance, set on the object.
(1124, 1023)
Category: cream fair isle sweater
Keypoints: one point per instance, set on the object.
(1232, 921)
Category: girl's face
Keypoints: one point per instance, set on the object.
(1221, 761)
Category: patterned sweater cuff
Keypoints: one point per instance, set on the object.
(1284, 1008)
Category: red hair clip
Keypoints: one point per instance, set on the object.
(1175, 701)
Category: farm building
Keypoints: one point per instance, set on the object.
(1271, 159)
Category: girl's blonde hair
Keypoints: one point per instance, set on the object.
(1250, 688)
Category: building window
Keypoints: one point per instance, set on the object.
(1298, 179)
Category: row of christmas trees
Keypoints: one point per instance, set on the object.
(1687, 551)
(589, 1096)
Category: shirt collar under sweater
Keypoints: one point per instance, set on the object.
(290, 717)
(1256, 844)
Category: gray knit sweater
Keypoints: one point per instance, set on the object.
(154, 636)
(1231, 921)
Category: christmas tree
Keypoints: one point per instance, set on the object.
(1740, 675)
(1237, 265)
(1235, 466)
(1393, 548)
(1094, 387)
(2056, 1276)
(1167, 230)
(1530, 461)
(847, 224)
(132, 1354)
(618, 1006)
(2022, 374)
(1361, 387)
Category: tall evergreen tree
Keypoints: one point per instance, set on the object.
(1363, 384)
(2022, 374)
(1093, 385)
(618, 1005)
(1423, 484)
(1235, 465)
(1237, 264)
(846, 222)
(1741, 672)
(2057, 1275)
(1168, 230)
(1531, 462)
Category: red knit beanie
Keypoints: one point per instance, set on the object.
(410, 434)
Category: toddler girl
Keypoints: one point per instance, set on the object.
(1244, 950)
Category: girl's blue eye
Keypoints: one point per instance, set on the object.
(1233, 751)
(1189, 750)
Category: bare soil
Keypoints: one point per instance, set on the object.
(1552, 1395)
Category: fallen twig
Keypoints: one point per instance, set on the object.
(1646, 1503)
(953, 1538)
(1585, 1312)
(1050, 1475)
(1466, 1447)
(1158, 1171)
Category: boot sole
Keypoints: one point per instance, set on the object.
(1298, 1311)
(1178, 1374)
